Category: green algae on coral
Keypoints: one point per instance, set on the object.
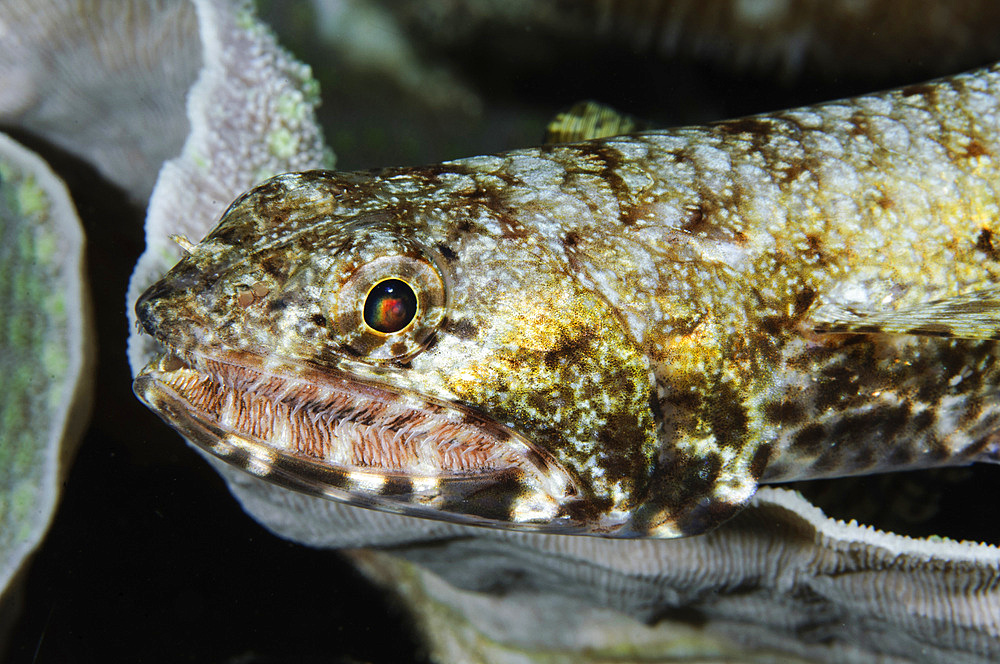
(45, 348)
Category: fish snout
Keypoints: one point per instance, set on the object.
(149, 309)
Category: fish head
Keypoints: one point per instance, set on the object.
(343, 336)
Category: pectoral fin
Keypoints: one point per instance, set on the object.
(695, 490)
(690, 495)
(973, 315)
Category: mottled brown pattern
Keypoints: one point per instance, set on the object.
(984, 243)
(639, 328)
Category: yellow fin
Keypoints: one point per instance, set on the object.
(587, 120)
(973, 315)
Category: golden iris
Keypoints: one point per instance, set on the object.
(390, 306)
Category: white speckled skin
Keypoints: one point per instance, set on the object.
(653, 316)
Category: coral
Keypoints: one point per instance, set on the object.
(46, 349)
(103, 80)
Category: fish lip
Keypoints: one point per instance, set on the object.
(542, 484)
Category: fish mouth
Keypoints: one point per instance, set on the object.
(331, 434)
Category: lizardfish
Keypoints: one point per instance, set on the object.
(617, 337)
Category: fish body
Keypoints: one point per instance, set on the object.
(619, 337)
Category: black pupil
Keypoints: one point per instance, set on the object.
(390, 306)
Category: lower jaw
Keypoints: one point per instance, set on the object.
(330, 435)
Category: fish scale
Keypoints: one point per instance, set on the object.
(639, 328)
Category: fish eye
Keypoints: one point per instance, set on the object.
(391, 305)
(388, 308)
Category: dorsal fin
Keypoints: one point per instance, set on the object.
(587, 120)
